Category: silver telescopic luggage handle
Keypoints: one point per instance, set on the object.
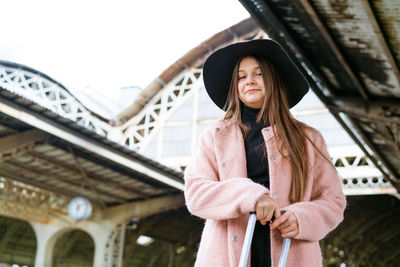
(247, 244)
(247, 240)
(284, 252)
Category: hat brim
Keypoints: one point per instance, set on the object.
(218, 68)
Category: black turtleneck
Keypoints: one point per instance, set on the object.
(256, 154)
(258, 171)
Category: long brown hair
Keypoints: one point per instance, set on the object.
(286, 129)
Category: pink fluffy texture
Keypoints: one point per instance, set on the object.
(216, 189)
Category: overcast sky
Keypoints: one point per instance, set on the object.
(109, 44)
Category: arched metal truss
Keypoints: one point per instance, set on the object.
(44, 91)
(138, 131)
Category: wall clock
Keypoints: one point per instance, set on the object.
(79, 208)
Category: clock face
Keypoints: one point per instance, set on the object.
(79, 208)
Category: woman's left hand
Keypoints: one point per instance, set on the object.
(287, 224)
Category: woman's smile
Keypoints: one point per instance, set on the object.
(251, 90)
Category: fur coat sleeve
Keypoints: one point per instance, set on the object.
(210, 197)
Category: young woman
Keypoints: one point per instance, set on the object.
(260, 159)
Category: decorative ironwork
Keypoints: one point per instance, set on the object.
(138, 132)
(358, 173)
(44, 91)
(143, 126)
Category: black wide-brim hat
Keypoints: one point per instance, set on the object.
(218, 68)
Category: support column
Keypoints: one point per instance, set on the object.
(101, 234)
(121, 245)
(107, 232)
(46, 239)
(47, 235)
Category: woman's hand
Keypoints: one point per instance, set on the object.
(265, 208)
(287, 224)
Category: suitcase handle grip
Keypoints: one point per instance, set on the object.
(247, 240)
(247, 244)
(284, 252)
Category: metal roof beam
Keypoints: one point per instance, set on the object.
(140, 209)
(382, 40)
(377, 111)
(332, 45)
(21, 140)
(76, 184)
(88, 144)
(85, 177)
(94, 178)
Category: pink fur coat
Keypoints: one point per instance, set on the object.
(216, 189)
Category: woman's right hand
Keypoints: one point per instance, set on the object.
(265, 208)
